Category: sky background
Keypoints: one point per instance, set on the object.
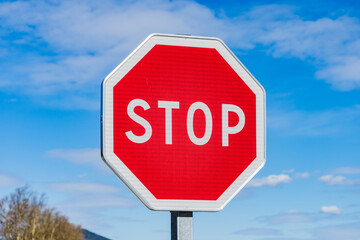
(55, 54)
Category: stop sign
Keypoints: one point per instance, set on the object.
(183, 123)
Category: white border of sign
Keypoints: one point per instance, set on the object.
(120, 169)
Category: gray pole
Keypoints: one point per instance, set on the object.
(181, 225)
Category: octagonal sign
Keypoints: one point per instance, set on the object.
(183, 123)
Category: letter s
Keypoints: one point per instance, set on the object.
(136, 118)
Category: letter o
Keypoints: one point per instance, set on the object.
(208, 123)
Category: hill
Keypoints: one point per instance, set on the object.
(93, 236)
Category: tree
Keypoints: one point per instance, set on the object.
(24, 216)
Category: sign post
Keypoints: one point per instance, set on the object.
(181, 225)
(183, 125)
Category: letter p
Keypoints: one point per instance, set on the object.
(226, 129)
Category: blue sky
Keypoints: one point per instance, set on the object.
(55, 54)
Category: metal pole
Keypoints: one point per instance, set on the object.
(181, 225)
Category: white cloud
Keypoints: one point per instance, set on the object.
(84, 156)
(78, 156)
(338, 180)
(346, 170)
(91, 38)
(331, 44)
(85, 201)
(302, 175)
(330, 209)
(86, 39)
(343, 73)
(259, 232)
(334, 180)
(289, 171)
(84, 195)
(103, 203)
(8, 181)
(90, 195)
(271, 180)
(348, 231)
(302, 217)
(84, 187)
(289, 217)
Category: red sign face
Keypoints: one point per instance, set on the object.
(187, 131)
